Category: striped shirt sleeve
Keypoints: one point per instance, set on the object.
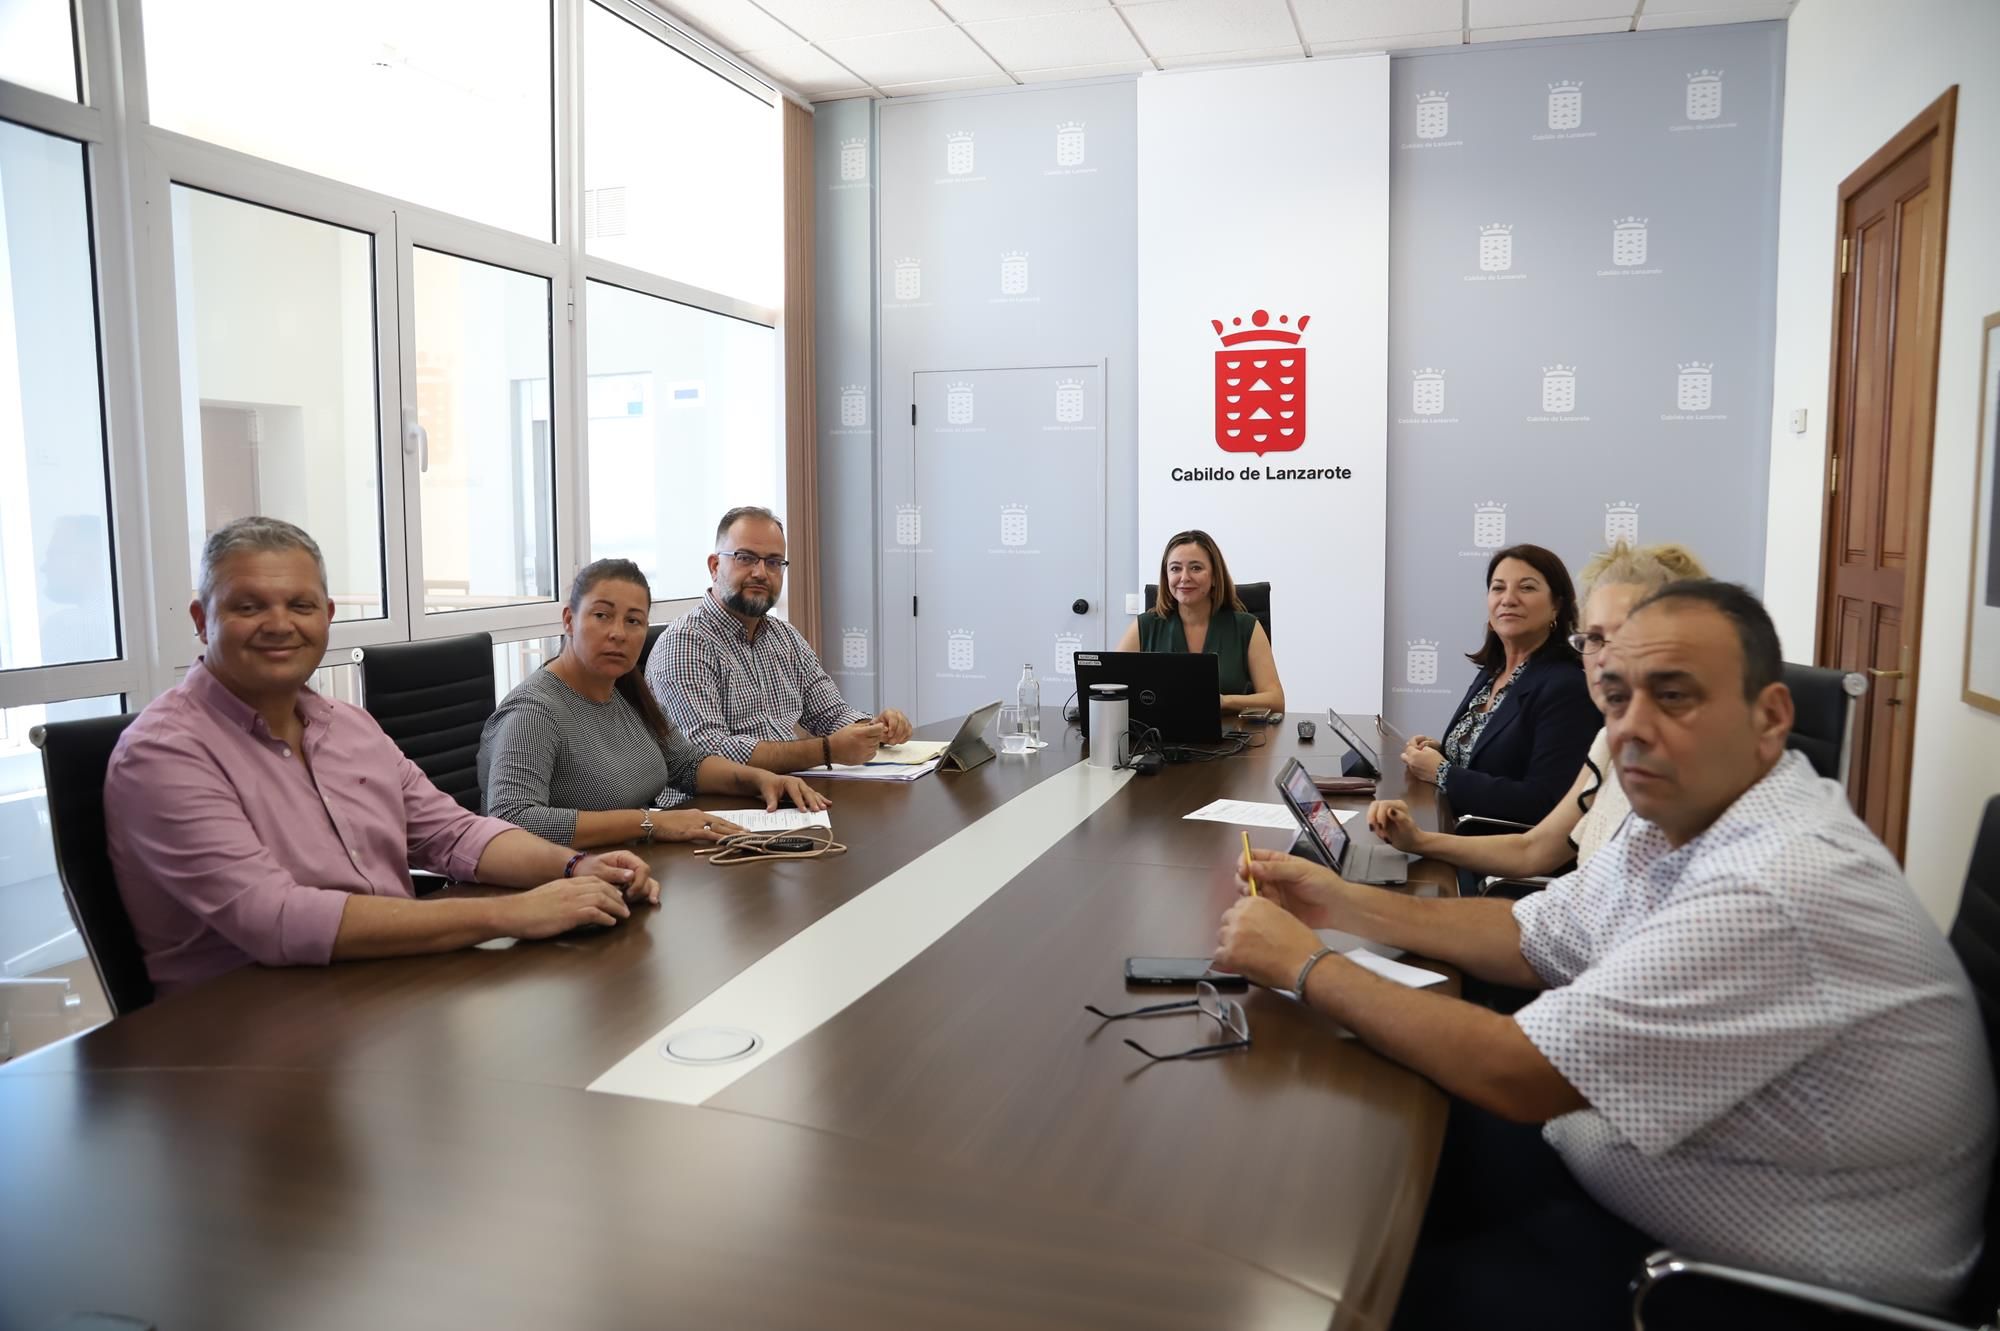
(824, 710)
(685, 675)
(524, 741)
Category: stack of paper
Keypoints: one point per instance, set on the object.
(892, 762)
(774, 820)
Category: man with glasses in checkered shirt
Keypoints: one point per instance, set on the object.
(739, 683)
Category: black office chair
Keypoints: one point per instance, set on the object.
(646, 652)
(433, 699)
(75, 755)
(1256, 598)
(1825, 703)
(1975, 936)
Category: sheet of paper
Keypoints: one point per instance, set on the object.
(773, 820)
(1252, 813)
(910, 751)
(1411, 976)
(875, 771)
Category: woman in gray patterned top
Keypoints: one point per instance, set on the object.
(581, 754)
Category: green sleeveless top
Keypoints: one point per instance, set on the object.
(1228, 641)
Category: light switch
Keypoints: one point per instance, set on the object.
(1799, 421)
(1134, 604)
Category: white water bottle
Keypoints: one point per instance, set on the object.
(1028, 693)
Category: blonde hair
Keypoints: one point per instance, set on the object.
(1649, 566)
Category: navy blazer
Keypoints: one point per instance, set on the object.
(1532, 747)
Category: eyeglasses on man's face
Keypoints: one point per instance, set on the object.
(1588, 644)
(1232, 1024)
(749, 559)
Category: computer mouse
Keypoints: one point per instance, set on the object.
(1306, 729)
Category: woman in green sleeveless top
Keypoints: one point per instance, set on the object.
(1197, 610)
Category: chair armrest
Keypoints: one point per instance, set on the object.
(1474, 825)
(1666, 1265)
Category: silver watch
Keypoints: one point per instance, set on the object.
(646, 825)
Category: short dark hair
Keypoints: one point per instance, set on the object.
(1492, 653)
(736, 515)
(1763, 659)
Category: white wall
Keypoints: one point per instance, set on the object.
(1856, 71)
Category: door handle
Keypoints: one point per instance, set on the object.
(1079, 606)
(417, 442)
(1884, 674)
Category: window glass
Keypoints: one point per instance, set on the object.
(683, 427)
(56, 601)
(278, 382)
(34, 921)
(487, 463)
(681, 167)
(436, 101)
(513, 662)
(38, 46)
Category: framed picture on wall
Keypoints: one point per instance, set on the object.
(1982, 627)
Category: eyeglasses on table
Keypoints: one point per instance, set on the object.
(1228, 1015)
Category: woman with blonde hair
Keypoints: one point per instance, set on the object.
(1198, 610)
(1615, 581)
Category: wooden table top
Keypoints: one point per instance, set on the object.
(409, 1142)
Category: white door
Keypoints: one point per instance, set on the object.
(1004, 532)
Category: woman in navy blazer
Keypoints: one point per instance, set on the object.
(1518, 737)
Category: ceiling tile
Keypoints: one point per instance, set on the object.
(827, 20)
(1408, 42)
(1573, 28)
(1690, 18)
(912, 57)
(1205, 27)
(1208, 58)
(805, 67)
(1520, 13)
(947, 85)
(1092, 37)
(979, 11)
(1083, 71)
(737, 24)
(1350, 20)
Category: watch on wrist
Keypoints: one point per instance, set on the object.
(646, 825)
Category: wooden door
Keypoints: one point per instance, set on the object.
(1884, 387)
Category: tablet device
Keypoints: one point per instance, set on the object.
(1352, 739)
(968, 748)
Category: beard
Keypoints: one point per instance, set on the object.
(742, 603)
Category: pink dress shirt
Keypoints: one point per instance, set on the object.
(228, 850)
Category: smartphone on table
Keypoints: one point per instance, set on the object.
(1179, 970)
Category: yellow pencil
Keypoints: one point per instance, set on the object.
(1246, 865)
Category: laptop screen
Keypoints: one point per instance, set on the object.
(1295, 783)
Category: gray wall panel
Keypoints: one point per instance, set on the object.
(1560, 143)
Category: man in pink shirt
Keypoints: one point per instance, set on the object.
(251, 819)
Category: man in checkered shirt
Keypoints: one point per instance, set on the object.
(739, 683)
(1751, 1043)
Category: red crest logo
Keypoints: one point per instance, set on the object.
(1260, 385)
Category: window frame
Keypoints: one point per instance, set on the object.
(131, 167)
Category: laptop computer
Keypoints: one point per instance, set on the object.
(1179, 694)
(968, 748)
(1362, 760)
(1360, 858)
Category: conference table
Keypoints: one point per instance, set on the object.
(934, 1133)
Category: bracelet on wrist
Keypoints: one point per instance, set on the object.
(1305, 971)
(826, 751)
(569, 870)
